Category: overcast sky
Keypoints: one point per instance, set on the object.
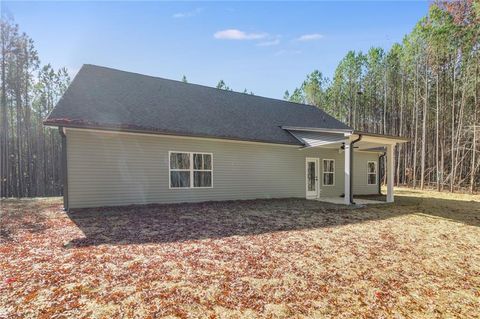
(266, 47)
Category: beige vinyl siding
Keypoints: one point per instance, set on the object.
(108, 168)
(360, 185)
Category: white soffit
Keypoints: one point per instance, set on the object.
(315, 139)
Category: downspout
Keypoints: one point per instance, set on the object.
(64, 167)
(380, 171)
(352, 143)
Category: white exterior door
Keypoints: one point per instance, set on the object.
(312, 181)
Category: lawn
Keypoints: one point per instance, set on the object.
(418, 258)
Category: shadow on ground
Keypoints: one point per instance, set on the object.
(181, 222)
(460, 211)
(22, 215)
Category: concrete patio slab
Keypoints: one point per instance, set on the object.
(358, 201)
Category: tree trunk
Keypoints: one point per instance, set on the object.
(4, 139)
(400, 130)
(474, 141)
(384, 120)
(424, 130)
(437, 114)
(19, 139)
(458, 133)
(452, 152)
(415, 112)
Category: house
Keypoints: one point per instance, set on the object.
(135, 139)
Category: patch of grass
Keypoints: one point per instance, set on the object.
(418, 258)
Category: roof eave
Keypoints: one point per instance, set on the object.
(158, 132)
(391, 138)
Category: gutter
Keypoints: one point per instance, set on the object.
(379, 177)
(64, 167)
(352, 143)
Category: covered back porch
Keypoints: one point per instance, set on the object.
(351, 143)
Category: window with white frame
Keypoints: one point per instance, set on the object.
(190, 170)
(371, 173)
(328, 172)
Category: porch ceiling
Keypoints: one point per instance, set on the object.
(318, 139)
(311, 137)
(359, 146)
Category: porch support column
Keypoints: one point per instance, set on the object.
(347, 172)
(390, 171)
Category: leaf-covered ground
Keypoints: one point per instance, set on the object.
(419, 258)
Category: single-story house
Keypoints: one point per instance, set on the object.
(129, 138)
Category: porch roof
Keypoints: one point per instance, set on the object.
(330, 138)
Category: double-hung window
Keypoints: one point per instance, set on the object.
(371, 173)
(190, 170)
(328, 172)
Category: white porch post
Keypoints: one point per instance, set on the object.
(390, 171)
(347, 172)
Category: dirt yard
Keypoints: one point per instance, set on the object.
(419, 258)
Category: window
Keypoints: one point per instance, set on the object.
(179, 170)
(190, 170)
(202, 170)
(328, 172)
(371, 173)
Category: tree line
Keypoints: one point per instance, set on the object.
(425, 88)
(29, 152)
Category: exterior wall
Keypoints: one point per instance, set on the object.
(360, 186)
(108, 168)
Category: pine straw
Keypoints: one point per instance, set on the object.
(285, 258)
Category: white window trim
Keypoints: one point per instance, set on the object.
(369, 173)
(323, 172)
(191, 170)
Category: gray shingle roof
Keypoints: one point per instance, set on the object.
(101, 97)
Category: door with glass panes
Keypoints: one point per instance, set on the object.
(312, 184)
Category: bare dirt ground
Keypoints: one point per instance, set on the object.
(418, 258)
